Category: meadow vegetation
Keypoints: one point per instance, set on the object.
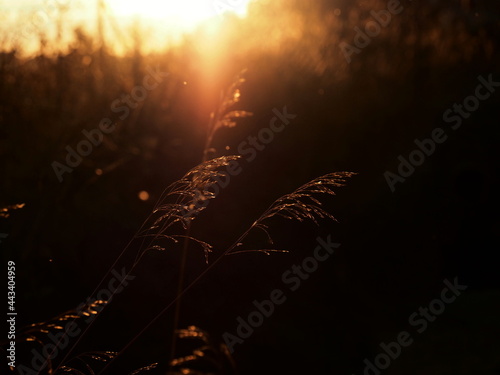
(166, 116)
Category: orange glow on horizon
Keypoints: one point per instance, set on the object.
(181, 15)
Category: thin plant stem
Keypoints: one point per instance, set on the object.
(180, 286)
(185, 247)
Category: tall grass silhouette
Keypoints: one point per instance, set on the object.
(166, 228)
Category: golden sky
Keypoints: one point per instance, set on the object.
(163, 19)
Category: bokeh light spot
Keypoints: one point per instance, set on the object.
(143, 195)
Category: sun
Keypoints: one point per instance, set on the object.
(182, 15)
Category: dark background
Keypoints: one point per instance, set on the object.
(397, 248)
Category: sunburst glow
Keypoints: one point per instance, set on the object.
(179, 14)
